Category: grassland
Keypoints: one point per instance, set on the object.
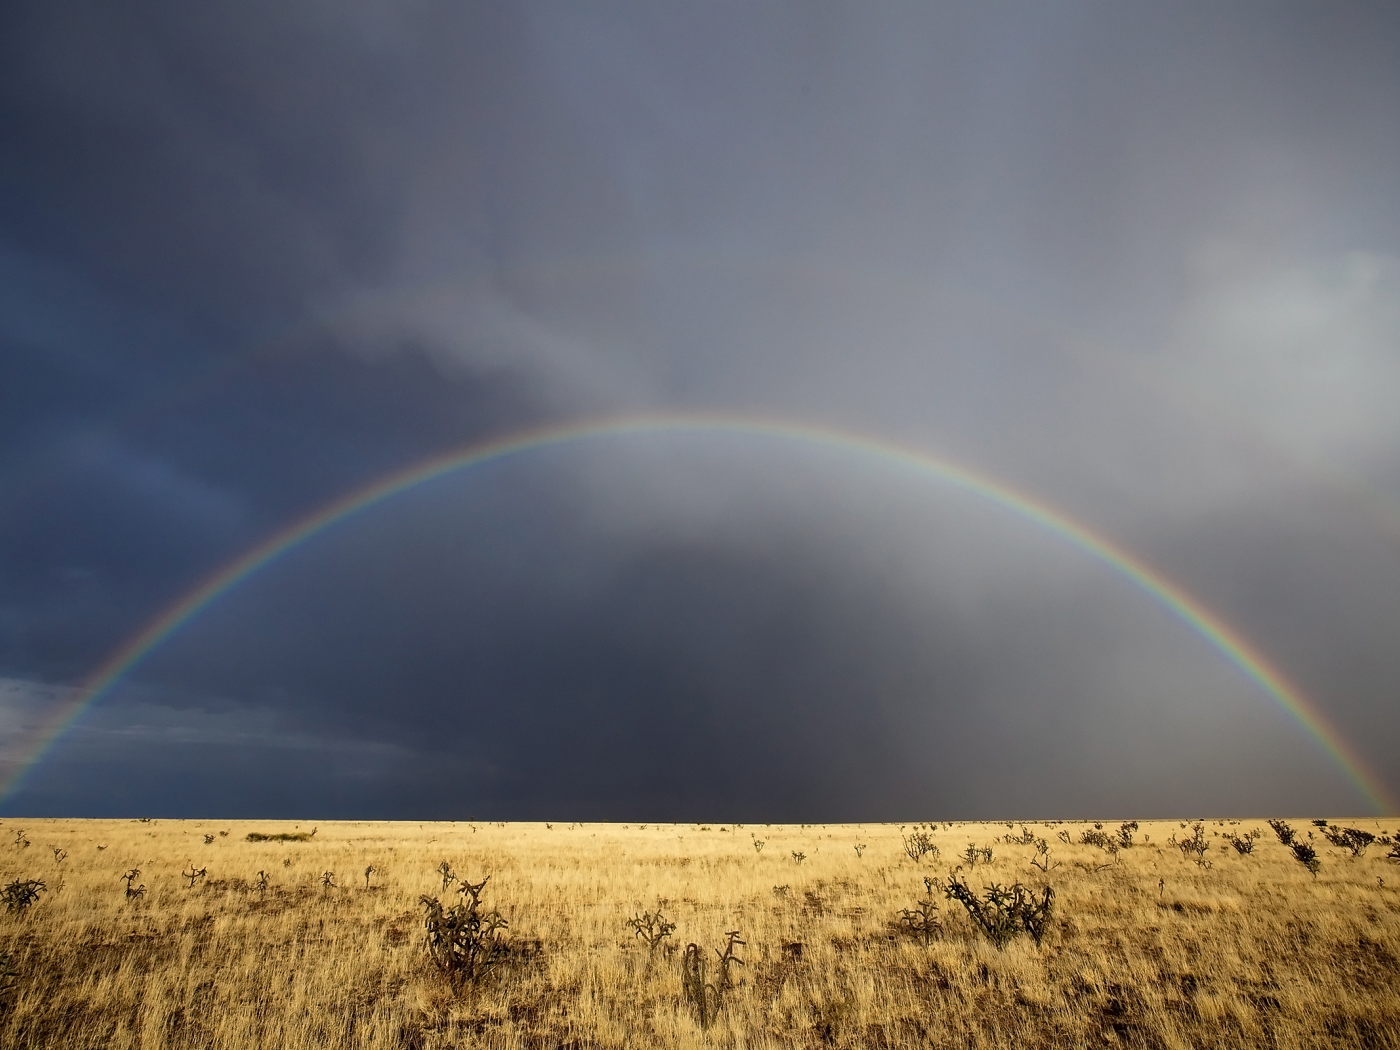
(1147, 948)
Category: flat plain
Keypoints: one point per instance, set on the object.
(1148, 945)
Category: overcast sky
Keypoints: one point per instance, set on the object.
(1138, 261)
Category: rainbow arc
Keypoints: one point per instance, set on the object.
(1196, 616)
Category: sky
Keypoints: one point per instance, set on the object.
(1135, 264)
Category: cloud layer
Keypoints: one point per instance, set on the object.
(1143, 265)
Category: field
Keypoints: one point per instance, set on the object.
(1145, 947)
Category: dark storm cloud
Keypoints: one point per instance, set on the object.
(1143, 262)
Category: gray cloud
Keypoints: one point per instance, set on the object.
(1140, 264)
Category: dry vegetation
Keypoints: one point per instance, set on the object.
(296, 943)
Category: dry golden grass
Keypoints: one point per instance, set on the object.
(1249, 952)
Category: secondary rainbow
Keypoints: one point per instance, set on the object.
(1191, 612)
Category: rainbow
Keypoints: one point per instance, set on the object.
(1196, 616)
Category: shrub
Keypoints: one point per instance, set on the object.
(974, 853)
(919, 844)
(705, 997)
(1353, 839)
(1244, 843)
(21, 893)
(1194, 847)
(798, 856)
(448, 875)
(758, 843)
(194, 874)
(651, 928)
(1305, 855)
(1097, 837)
(1004, 912)
(133, 892)
(1125, 834)
(463, 940)
(922, 920)
(1042, 858)
(1283, 831)
(281, 836)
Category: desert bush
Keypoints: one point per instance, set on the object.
(194, 875)
(705, 997)
(59, 854)
(133, 892)
(758, 843)
(327, 881)
(1125, 834)
(262, 883)
(463, 940)
(921, 921)
(1283, 831)
(1244, 844)
(1004, 912)
(860, 849)
(798, 856)
(1195, 846)
(1026, 838)
(368, 872)
(1097, 837)
(1042, 858)
(1305, 855)
(975, 853)
(1353, 839)
(20, 894)
(653, 928)
(919, 844)
(208, 839)
(448, 875)
(282, 836)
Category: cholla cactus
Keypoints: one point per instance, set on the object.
(448, 875)
(133, 892)
(652, 928)
(922, 920)
(21, 893)
(464, 940)
(707, 998)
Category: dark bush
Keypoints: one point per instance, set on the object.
(1353, 839)
(1004, 912)
(464, 940)
(21, 893)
